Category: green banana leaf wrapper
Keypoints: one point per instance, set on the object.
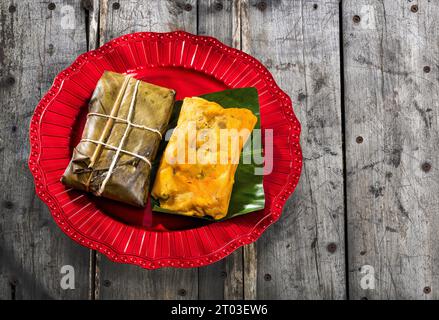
(129, 179)
(248, 191)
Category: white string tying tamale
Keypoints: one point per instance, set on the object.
(128, 178)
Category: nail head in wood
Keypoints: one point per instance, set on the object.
(107, 283)
(13, 281)
(315, 6)
(116, 6)
(51, 6)
(267, 277)
(359, 139)
(332, 247)
(262, 5)
(414, 8)
(427, 69)
(182, 292)
(426, 167)
(356, 19)
(187, 7)
(12, 9)
(427, 290)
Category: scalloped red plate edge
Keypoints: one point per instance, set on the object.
(144, 262)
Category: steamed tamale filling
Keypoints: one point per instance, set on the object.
(196, 172)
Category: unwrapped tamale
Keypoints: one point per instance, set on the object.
(202, 186)
(125, 123)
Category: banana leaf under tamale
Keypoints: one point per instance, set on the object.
(125, 123)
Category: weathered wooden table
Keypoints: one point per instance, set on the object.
(364, 79)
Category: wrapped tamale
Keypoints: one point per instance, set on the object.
(124, 127)
(202, 186)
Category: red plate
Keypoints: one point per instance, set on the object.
(192, 65)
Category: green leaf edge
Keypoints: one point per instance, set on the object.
(223, 98)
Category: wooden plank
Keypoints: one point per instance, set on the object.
(92, 13)
(37, 41)
(299, 42)
(392, 97)
(117, 281)
(224, 279)
(250, 277)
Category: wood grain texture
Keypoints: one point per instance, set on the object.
(250, 277)
(299, 43)
(117, 281)
(224, 279)
(392, 102)
(36, 43)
